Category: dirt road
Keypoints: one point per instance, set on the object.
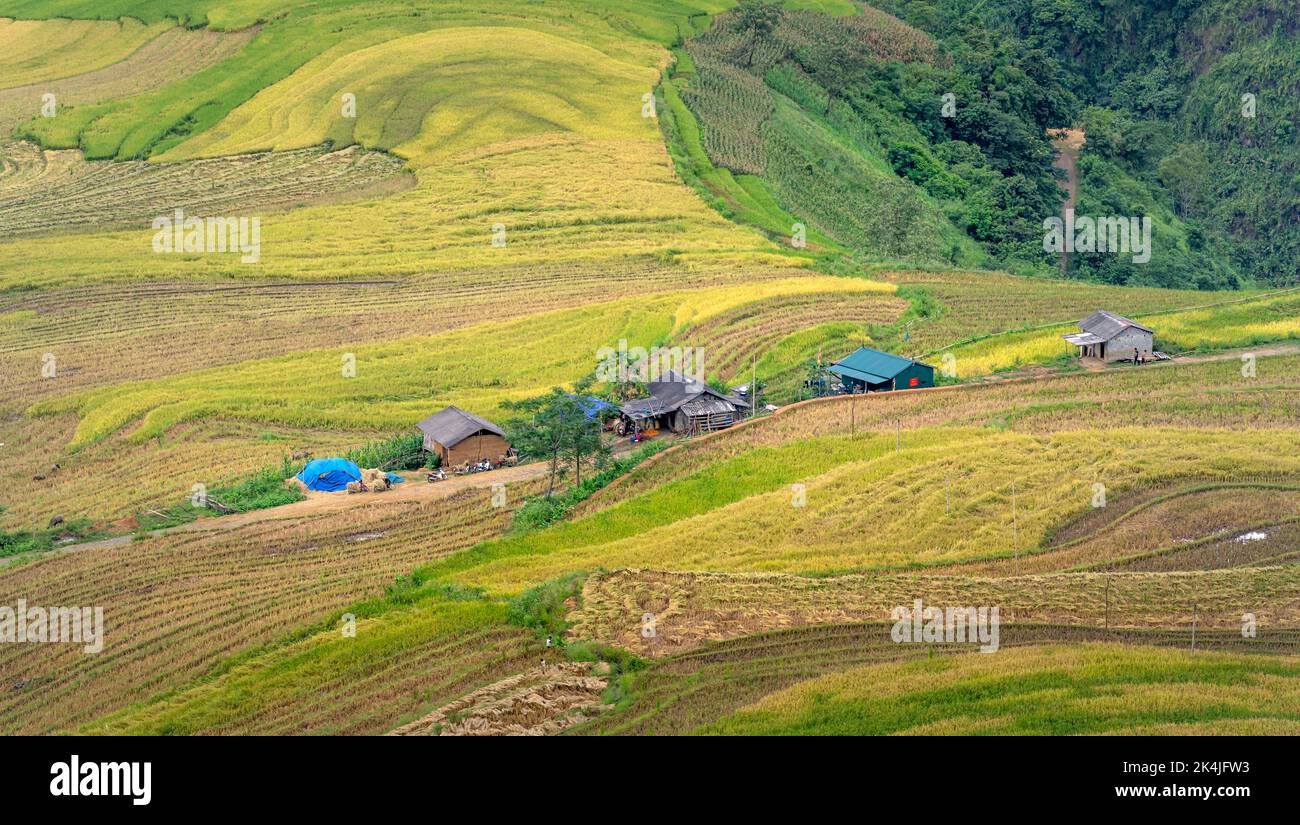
(1068, 143)
(1033, 371)
(414, 489)
(1235, 354)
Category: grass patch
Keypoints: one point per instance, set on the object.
(540, 511)
(1088, 689)
(264, 489)
(19, 542)
(542, 609)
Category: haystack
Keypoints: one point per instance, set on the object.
(376, 480)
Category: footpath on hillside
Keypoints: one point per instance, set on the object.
(412, 490)
(1068, 143)
(318, 503)
(1031, 372)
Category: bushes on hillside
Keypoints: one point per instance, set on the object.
(540, 511)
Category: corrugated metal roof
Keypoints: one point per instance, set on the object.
(874, 362)
(707, 406)
(849, 372)
(1082, 338)
(453, 425)
(1106, 325)
(640, 409)
(672, 393)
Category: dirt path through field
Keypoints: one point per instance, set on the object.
(1235, 354)
(414, 489)
(1038, 371)
(1067, 143)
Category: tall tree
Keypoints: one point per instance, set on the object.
(584, 437)
(757, 19)
(557, 428)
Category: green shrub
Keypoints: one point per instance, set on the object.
(539, 511)
(415, 587)
(401, 452)
(623, 661)
(35, 541)
(542, 608)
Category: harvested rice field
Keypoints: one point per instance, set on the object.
(238, 236)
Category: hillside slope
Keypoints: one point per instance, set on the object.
(930, 141)
(537, 181)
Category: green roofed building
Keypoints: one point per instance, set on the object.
(870, 370)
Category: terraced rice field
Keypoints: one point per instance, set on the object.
(612, 217)
(591, 207)
(832, 523)
(178, 605)
(692, 609)
(830, 322)
(703, 607)
(33, 51)
(1188, 524)
(175, 52)
(229, 323)
(46, 192)
(1238, 322)
(1206, 396)
(978, 304)
(430, 124)
(310, 388)
(716, 684)
(977, 474)
(219, 324)
(396, 667)
(1041, 690)
(538, 216)
(225, 324)
(484, 153)
(157, 473)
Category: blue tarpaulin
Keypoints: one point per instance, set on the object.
(329, 474)
(592, 406)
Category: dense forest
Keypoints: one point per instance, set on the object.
(917, 130)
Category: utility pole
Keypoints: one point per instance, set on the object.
(753, 387)
(853, 415)
(1015, 527)
(1193, 626)
(898, 434)
(1108, 602)
(947, 499)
